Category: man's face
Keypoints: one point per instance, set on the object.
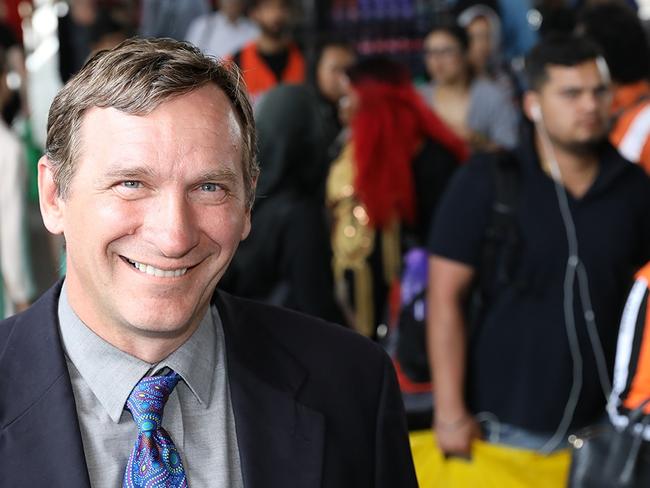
(233, 9)
(273, 17)
(480, 42)
(330, 72)
(574, 102)
(155, 211)
(444, 58)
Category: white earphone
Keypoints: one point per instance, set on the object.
(536, 112)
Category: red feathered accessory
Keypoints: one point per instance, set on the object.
(387, 130)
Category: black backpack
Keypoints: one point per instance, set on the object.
(499, 257)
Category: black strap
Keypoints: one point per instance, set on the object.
(502, 240)
(626, 476)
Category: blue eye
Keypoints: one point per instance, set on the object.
(210, 187)
(131, 184)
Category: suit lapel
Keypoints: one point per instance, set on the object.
(280, 440)
(40, 441)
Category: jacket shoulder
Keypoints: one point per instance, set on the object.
(311, 340)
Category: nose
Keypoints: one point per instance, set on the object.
(173, 227)
(591, 102)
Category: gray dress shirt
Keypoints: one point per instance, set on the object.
(198, 415)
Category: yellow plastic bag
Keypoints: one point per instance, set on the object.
(492, 466)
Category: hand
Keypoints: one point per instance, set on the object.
(455, 438)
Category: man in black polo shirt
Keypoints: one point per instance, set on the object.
(583, 217)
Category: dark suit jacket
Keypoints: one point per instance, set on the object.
(315, 405)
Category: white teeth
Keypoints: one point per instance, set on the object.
(150, 270)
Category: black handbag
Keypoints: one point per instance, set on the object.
(606, 457)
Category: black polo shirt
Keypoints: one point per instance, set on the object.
(519, 361)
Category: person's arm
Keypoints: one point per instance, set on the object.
(449, 283)
(456, 243)
(14, 269)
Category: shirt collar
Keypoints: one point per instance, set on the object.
(111, 373)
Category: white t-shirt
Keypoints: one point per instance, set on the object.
(215, 35)
(14, 270)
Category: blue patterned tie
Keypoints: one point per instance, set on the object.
(154, 461)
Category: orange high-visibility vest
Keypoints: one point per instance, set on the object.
(632, 373)
(259, 77)
(631, 125)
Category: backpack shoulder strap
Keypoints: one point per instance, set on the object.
(502, 233)
(501, 242)
(505, 170)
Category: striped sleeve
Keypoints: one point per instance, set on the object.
(631, 135)
(631, 384)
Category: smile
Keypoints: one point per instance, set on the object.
(153, 271)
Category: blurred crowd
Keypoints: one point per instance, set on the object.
(356, 152)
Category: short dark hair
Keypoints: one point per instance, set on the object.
(381, 69)
(558, 49)
(454, 30)
(333, 42)
(616, 28)
(323, 45)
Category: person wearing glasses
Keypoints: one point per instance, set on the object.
(478, 109)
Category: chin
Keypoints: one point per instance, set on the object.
(170, 320)
(586, 146)
(165, 327)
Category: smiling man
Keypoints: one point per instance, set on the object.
(134, 370)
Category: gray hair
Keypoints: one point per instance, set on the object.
(135, 78)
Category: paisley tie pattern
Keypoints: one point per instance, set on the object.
(154, 461)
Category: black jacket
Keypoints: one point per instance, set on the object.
(315, 405)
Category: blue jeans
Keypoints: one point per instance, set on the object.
(510, 435)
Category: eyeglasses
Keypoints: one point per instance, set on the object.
(446, 52)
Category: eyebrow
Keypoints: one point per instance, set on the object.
(221, 174)
(578, 88)
(146, 172)
(128, 173)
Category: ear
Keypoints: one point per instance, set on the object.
(531, 106)
(50, 202)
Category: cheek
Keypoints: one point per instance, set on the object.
(101, 221)
(455, 65)
(223, 229)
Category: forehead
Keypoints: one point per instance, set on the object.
(337, 54)
(589, 74)
(271, 5)
(441, 37)
(479, 23)
(196, 126)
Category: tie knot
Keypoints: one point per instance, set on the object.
(147, 400)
